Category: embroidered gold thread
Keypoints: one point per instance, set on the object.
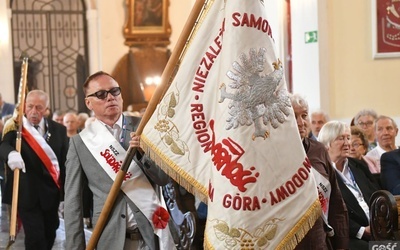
(169, 132)
(239, 237)
(269, 230)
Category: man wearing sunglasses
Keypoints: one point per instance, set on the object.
(95, 156)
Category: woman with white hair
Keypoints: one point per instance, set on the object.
(354, 178)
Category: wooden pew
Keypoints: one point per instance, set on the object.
(384, 216)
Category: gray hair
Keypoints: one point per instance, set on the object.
(330, 131)
(298, 100)
(365, 112)
(382, 117)
(83, 115)
(42, 94)
(320, 112)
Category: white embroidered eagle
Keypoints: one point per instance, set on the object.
(257, 97)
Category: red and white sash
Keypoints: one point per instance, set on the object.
(324, 194)
(110, 154)
(42, 149)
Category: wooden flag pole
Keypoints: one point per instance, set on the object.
(170, 68)
(18, 143)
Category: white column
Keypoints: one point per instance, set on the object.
(6, 58)
(95, 63)
(306, 56)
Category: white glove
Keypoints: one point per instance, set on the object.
(61, 210)
(15, 161)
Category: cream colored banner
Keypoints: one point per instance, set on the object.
(225, 130)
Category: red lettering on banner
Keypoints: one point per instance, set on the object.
(252, 21)
(226, 157)
(196, 108)
(307, 164)
(211, 191)
(225, 154)
(207, 61)
(290, 187)
(113, 163)
(210, 57)
(200, 126)
(245, 203)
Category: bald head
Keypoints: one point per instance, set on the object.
(71, 122)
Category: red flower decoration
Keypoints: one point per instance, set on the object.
(160, 218)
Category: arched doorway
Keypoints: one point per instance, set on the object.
(54, 35)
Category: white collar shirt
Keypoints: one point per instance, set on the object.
(349, 181)
(116, 130)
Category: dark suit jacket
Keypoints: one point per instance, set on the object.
(8, 109)
(368, 186)
(390, 171)
(36, 185)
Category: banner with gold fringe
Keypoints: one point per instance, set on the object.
(225, 130)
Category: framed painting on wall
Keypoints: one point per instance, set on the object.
(147, 22)
(385, 28)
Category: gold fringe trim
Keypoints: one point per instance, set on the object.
(173, 170)
(169, 167)
(10, 125)
(300, 230)
(295, 235)
(206, 244)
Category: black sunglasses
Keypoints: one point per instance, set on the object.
(102, 94)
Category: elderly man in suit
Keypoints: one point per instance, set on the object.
(5, 108)
(42, 157)
(95, 156)
(331, 230)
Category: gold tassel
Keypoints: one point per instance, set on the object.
(9, 126)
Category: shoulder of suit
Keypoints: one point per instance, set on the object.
(10, 105)
(357, 163)
(393, 152)
(316, 144)
(133, 120)
(56, 125)
(319, 144)
(353, 160)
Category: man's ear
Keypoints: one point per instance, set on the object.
(88, 104)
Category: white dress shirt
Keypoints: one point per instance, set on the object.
(116, 130)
